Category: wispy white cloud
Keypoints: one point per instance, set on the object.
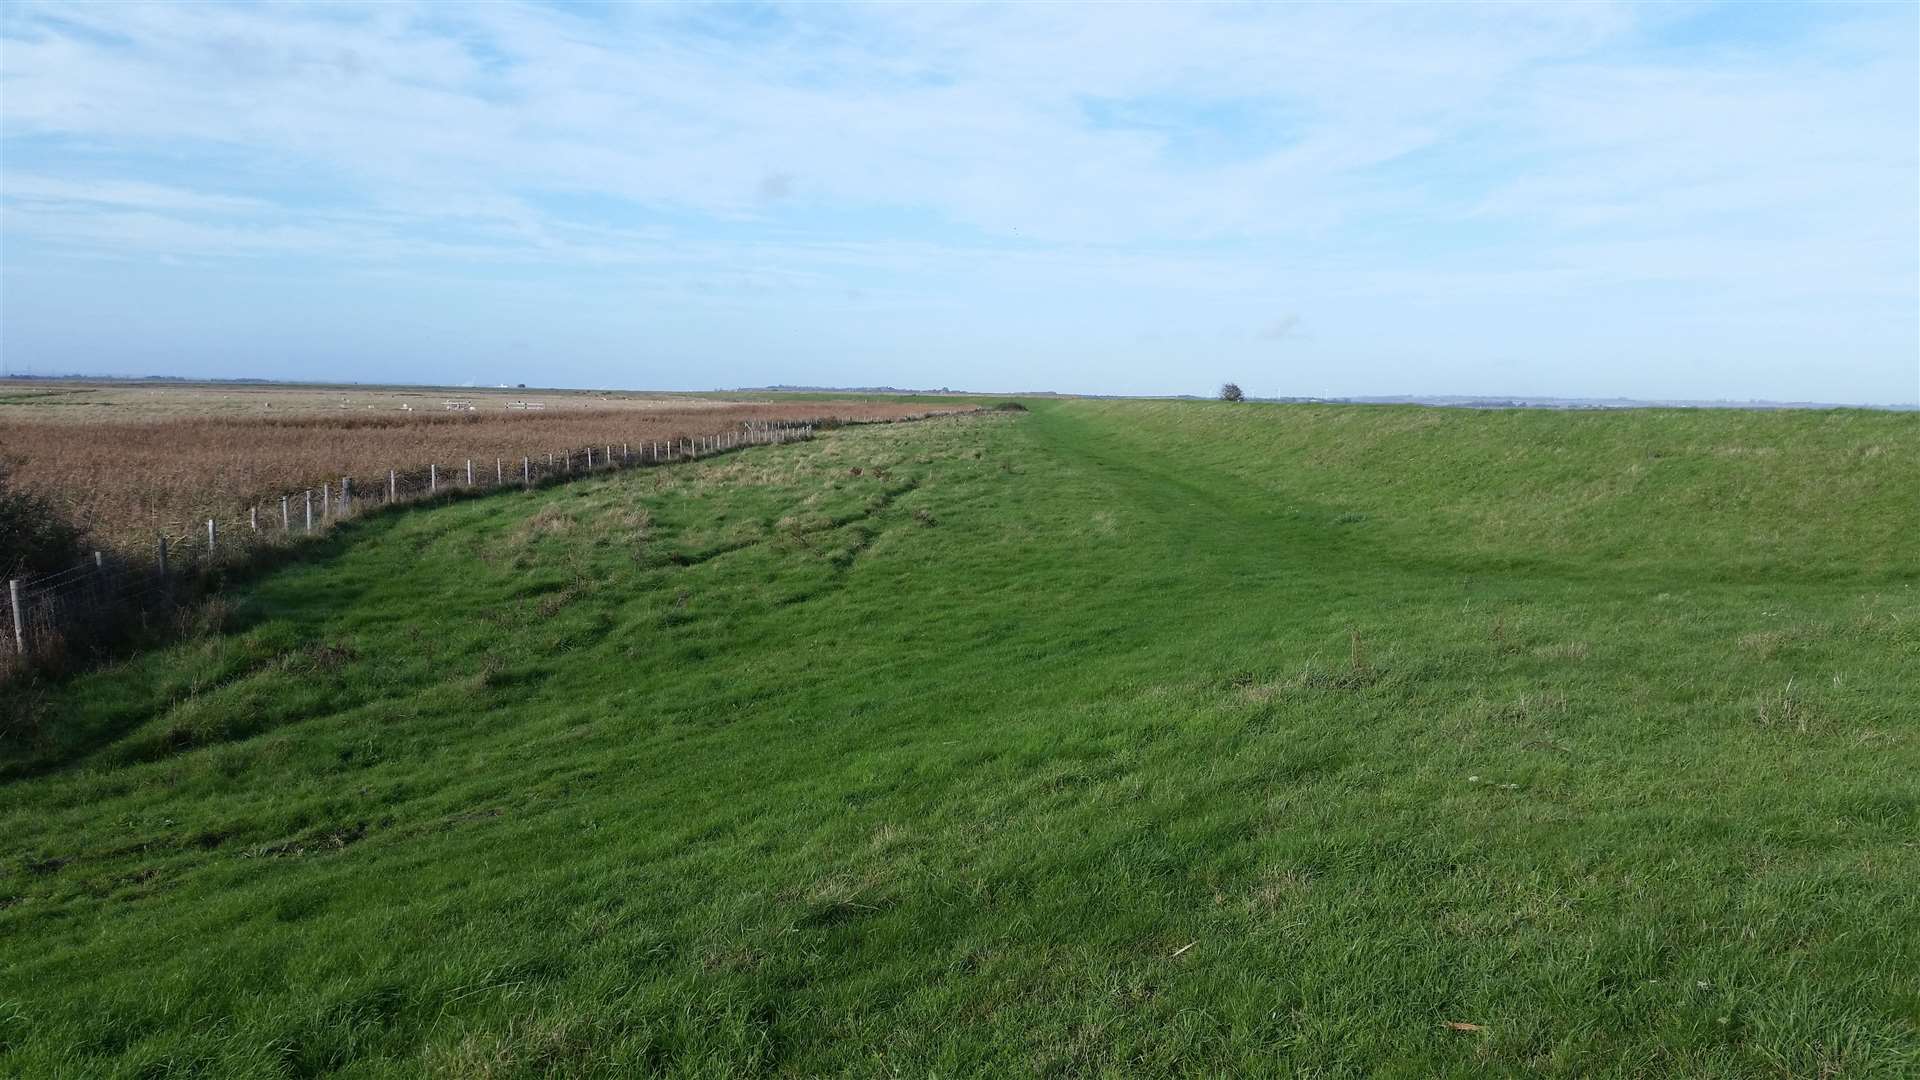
(1223, 163)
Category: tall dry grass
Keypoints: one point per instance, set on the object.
(124, 481)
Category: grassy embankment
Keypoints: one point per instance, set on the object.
(1121, 737)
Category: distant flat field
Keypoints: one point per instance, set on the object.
(129, 460)
(64, 401)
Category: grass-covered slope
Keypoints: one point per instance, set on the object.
(1116, 738)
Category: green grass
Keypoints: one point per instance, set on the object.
(1118, 738)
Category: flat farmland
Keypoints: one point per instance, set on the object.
(127, 460)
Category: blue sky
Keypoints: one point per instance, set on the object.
(1676, 200)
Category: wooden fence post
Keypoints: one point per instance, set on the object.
(253, 517)
(309, 509)
(626, 454)
(393, 486)
(469, 472)
(499, 476)
(286, 520)
(526, 471)
(213, 537)
(19, 617)
(326, 500)
(166, 585)
(346, 495)
(433, 479)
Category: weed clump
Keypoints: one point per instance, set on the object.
(35, 537)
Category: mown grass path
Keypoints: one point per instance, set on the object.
(1119, 738)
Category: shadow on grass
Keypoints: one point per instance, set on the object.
(32, 744)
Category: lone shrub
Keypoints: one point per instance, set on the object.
(1231, 392)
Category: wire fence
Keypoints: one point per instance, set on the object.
(109, 591)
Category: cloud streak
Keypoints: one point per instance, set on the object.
(1202, 166)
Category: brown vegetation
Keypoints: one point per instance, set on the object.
(127, 478)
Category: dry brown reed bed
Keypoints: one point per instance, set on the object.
(126, 481)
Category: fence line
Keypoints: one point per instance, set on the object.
(110, 588)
